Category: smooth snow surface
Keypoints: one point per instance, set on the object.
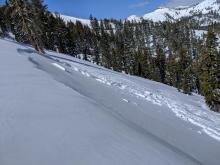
(56, 109)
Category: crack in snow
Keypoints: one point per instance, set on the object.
(198, 115)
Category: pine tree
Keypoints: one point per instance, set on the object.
(210, 72)
(142, 64)
(183, 65)
(154, 71)
(186, 82)
(171, 70)
(60, 32)
(95, 25)
(51, 32)
(129, 48)
(95, 38)
(1, 20)
(70, 39)
(105, 47)
(40, 18)
(21, 10)
(119, 50)
(96, 54)
(161, 63)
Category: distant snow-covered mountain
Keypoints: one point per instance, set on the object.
(208, 9)
(205, 13)
(74, 19)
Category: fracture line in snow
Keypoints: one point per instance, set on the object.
(186, 112)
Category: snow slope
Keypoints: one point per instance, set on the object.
(55, 109)
(74, 19)
(162, 14)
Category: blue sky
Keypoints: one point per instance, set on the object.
(103, 8)
(118, 9)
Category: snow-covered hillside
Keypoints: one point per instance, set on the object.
(162, 14)
(56, 109)
(74, 19)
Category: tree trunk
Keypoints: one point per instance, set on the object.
(216, 107)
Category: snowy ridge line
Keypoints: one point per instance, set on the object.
(74, 19)
(161, 13)
(198, 115)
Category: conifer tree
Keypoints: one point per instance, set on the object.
(21, 11)
(119, 50)
(171, 70)
(129, 48)
(71, 39)
(1, 20)
(95, 25)
(210, 72)
(95, 38)
(60, 33)
(96, 54)
(105, 47)
(154, 71)
(186, 84)
(40, 18)
(161, 63)
(142, 63)
(183, 64)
